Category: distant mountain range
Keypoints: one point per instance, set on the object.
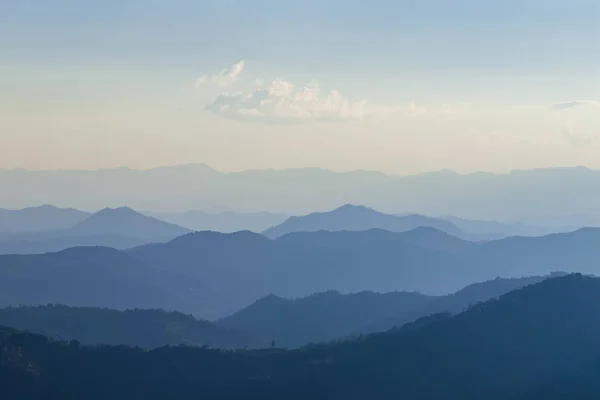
(537, 342)
(360, 218)
(242, 267)
(289, 322)
(331, 315)
(39, 219)
(457, 302)
(83, 276)
(124, 221)
(320, 317)
(48, 228)
(213, 274)
(526, 196)
(119, 228)
(225, 221)
(141, 328)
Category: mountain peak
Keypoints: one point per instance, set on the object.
(123, 210)
(125, 221)
(212, 237)
(353, 208)
(351, 217)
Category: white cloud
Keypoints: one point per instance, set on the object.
(226, 77)
(576, 103)
(577, 126)
(282, 101)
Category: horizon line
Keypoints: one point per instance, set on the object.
(340, 172)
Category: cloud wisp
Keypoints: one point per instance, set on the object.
(576, 103)
(226, 77)
(281, 100)
(575, 136)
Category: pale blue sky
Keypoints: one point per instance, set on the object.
(468, 85)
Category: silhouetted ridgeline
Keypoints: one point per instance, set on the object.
(484, 196)
(359, 218)
(39, 219)
(290, 323)
(213, 275)
(142, 328)
(248, 266)
(90, 276)
(224, 221)
(321, 317)
(126, 222)
(513, 347)
(120, 228)
(35, 225)
(331, 315)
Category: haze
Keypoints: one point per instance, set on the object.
(316, 199)
(394, 86)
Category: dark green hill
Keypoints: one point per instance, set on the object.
(502, 349)
(330, 315)
(321, 317)
(456, 302)
(142, 328)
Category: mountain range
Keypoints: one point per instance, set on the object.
(140, 328)
(123, 227)
(245, 266)
(223, 221)
(321, 317)
(359, 218)
(330, 315)
(124, 221)
(119, 228)
(39, 219)
(537, 342)
(212, 275)
(515, 196)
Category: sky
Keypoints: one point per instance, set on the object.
(397, 86)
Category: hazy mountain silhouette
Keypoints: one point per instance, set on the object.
(563, 222)
(141, 328)
(84, 276)
(576, 251)
(318, 318)
(423, 237)
(225, 221)
(501, 349)
(516, 196)
(119, 228)
(193, 186)
(331, 315)
(43, 218)
(102, 277)
(499, 230)
(124, 221)
(242, 267)
(456, 302)
(36, 244)
(213, 274)
(359, 218)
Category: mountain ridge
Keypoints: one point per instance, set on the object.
(120, 228)
(474, 196)
(146, 328)
(330, 315)
(125, 221)
(506, 348)
(360, 218)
